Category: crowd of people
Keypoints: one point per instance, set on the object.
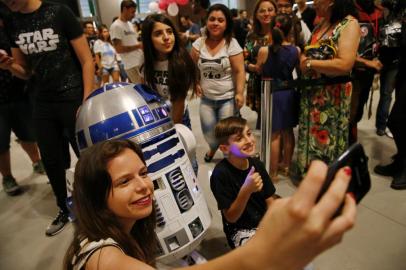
(332, 49)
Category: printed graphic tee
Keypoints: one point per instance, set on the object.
(44, 36)
(215, 70)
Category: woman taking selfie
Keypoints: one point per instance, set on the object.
(115, 219)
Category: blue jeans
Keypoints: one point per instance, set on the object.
(212, 111)
(387, 80)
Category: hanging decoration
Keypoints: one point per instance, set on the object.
(173, 9)
(170, 6)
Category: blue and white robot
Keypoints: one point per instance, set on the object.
(128, 111)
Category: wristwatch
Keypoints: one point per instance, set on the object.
(308, 64)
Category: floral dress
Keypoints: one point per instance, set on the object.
(324, 115)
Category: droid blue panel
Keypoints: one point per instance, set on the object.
(111, 127)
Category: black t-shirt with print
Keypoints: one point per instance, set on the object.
(11, 88)
(43, 36)
(226, 182)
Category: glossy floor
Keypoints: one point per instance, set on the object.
(377, 242)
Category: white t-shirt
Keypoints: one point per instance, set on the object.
(107, 53)
(124, 31)
(215, 71)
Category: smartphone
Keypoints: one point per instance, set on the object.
(360, 183)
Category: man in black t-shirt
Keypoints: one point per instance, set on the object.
(240, 184)
(49, 48)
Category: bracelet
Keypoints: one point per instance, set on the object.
(308, 64)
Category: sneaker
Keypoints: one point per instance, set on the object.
(38, 167)
(389, 134)
(10, 185)
(58, 224)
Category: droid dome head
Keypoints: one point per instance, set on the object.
(121, 111)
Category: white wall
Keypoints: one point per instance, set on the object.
(108, 9)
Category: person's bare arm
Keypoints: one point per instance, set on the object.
(82, 51)
(97, 57)
(120, 48)
(261, 59)
(193, 37)
(269, 201)
(194, 54)
(177, 109)
(16, 64)
(363, 62)
(346, 55)
(237, 67)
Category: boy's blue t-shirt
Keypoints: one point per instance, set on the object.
(225, 183)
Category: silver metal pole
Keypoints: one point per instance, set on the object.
(266, 123)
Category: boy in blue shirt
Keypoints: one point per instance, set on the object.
(240, 183)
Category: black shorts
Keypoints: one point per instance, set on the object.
(16, 117)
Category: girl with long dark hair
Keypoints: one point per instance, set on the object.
(168, 67)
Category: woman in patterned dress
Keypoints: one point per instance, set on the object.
(260, 36)
(325, 109)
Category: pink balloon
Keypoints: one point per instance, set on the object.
(163, 4)
(170, 1)
(182, 2)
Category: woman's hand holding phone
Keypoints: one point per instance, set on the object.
(301, 227)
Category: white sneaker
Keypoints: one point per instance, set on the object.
(388, 133)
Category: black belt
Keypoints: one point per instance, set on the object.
(278, 85)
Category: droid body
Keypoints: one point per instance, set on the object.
(127, 111)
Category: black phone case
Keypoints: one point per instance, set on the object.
(355, 158)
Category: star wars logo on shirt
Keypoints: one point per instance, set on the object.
(38, 41)
(161, 82)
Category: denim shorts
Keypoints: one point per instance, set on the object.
(109, 71)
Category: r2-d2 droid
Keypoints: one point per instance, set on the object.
(127, 111)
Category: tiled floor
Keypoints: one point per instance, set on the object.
(377, 242)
